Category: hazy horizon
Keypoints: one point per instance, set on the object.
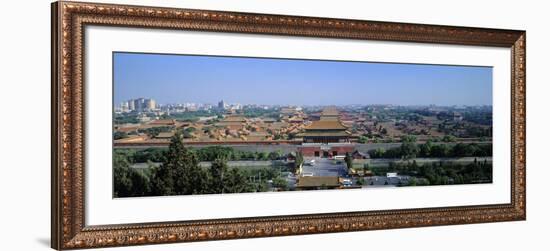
(172, 79)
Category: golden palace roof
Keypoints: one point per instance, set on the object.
(325, 134)
(233, 118)
(326, 125)
(330, 111)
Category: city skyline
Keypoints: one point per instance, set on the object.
(215, 104)
(177, 79)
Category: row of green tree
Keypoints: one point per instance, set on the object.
(442, 172)
(126, 119)
(181, 174)
(255, 112)
(212, 152)
(410, 149)
(154, 131)
(191, 116)
(151, 132)
(366, 138)
(203, 154)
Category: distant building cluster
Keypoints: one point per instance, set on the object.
(222, 106)
(149, 105)
(139, 105)
(143, 121)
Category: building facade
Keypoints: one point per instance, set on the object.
(139, 105)
(328, 129)
(325, 151)
(221, 105)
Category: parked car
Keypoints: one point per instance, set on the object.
(347, 183)
(310, 163)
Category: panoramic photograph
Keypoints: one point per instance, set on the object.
(199, 125)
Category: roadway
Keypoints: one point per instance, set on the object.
(324, 167)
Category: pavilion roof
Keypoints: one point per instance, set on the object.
(324, 118)
(330, 111)
(234, 118)
(325, 134)
(288, 110)
(326, 125)
(318, 181)
(165, 135)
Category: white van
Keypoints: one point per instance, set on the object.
(339, 157)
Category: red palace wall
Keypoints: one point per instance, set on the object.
(309, 151)
(342, 150)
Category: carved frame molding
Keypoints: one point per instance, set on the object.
(68, 22)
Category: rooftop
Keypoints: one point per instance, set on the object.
(234, 118)
(326, 125)
(164, 135)
(318, 181)
(288, 110)
(163, 122)
(329, 118)
(325, 134)
(278, 125)
(330, 111)
(268, 120)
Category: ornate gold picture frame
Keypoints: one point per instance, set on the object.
(69, 230)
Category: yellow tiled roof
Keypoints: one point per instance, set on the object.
(326, 125)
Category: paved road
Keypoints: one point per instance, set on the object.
(325, 167)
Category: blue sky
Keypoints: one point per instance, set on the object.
(208, 79)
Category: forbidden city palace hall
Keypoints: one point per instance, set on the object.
(326, 137)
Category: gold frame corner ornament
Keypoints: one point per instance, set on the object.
(68, 226)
